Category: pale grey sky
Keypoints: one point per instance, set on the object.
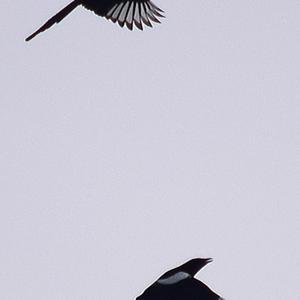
(123, 154)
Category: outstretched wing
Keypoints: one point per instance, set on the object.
(129, 12)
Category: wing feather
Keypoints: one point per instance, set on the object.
(134, 12)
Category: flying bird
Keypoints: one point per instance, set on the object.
(180, 284)
(129, 12)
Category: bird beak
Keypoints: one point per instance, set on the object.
(209, 260)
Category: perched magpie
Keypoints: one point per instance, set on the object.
(127, 12)
(180, 284)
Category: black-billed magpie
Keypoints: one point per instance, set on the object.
(129, 12)
(180, 284)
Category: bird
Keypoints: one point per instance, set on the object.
(180, 284)
(129, 12)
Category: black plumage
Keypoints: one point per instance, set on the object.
(125, 12)
(180, 284)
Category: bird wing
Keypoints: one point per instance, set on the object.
(129, 12)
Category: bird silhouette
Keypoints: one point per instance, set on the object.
(180, 284)
(129, 12)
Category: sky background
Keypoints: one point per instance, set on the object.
(123, 154)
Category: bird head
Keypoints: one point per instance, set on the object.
(185, 271)
(194, 265)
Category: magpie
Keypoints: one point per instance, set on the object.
(129, 12)
(180, 284)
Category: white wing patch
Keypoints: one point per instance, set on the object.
(132, 12)
(174, 278)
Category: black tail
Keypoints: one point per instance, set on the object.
(56, 19)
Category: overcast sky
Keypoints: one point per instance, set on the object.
(124, 154)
